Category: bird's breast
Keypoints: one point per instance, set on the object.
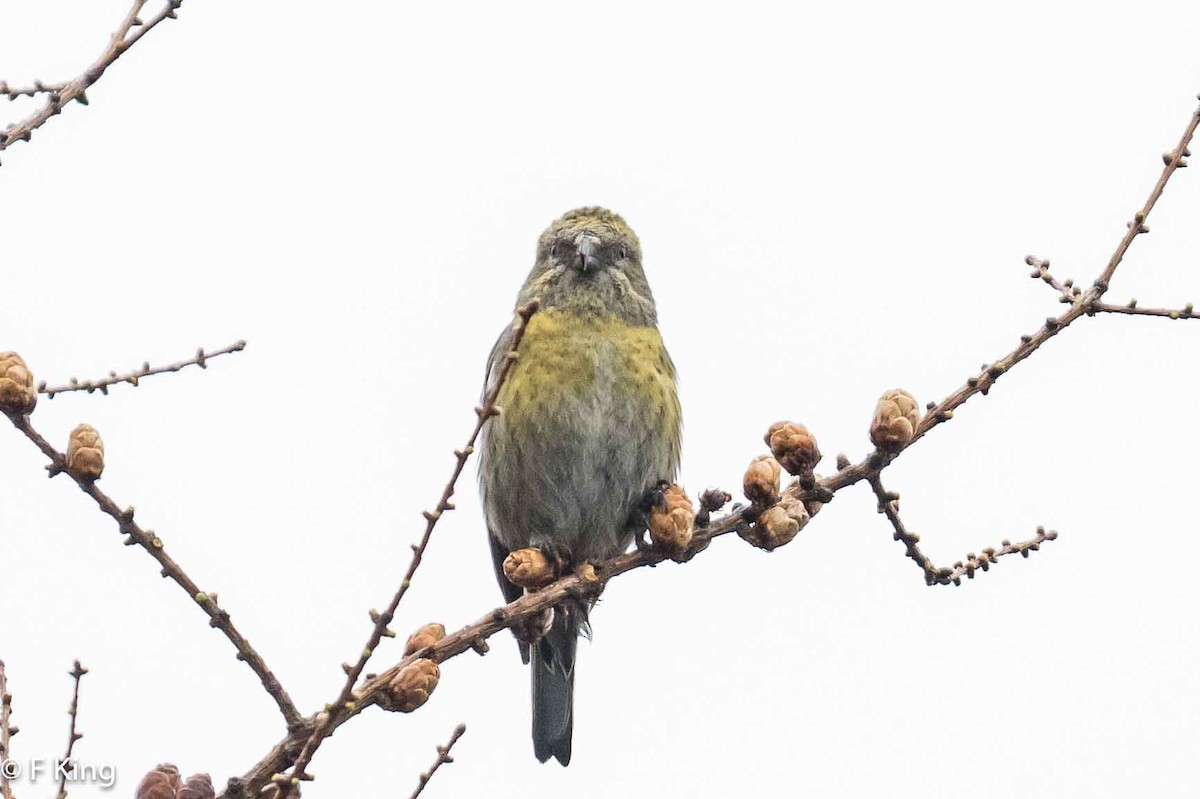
(590, 373)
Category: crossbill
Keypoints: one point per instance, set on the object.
(590, 426)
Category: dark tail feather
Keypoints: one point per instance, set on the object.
(553, 678)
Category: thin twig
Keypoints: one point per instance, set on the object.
(442, 758)
(1041, 269)
(1186, 312)
(7, 731)
(346, 701)
(889, 505)
(134, 377)
(77, 673)
(131, 29)
(38, 87)
(152, 544)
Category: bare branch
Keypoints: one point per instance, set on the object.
(346, 701)
(76, 673)
(889, 505)
(1083, 304)
(30, 91)
(7, 731)
(585, 583)
(134, 377)
(442, 758)
(152, 544)
(131, 29)
(1041, 269)
(1131, 308)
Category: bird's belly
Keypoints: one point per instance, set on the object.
(590, 422)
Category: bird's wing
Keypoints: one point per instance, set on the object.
(495, 361)
(511, 592)
(499, 552)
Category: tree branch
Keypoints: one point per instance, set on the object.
(889, 505)
(1083, 303)
(131, 29)
(346, 700)
(135, 376)
(442, 758)
(153, 545)
(77, 674)
(30, 91)
(7, 731)
(583, 584)
(1132, 309)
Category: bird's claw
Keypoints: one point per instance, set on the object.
(531, 630)
(558, 556)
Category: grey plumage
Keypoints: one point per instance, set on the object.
(590, 425)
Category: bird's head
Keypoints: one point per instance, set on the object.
(590, 261)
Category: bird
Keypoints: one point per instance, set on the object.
(590, 426)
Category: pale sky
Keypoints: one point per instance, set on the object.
(833, 200)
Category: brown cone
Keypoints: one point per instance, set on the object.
(198, 786)
(761, 481)
(671, 526)
(85, 453)
(896, 418)
(794, 447)
(530, 568)
(161, 783)
(428, 635)
(17, 392)
(411, 688)
(778, 524)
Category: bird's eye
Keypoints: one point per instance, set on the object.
(554, 248)
(622, 253)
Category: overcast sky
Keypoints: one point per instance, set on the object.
(833, 199)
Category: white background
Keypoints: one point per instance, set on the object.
(833, 200)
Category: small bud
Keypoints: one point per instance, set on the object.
(428, 635)
(896, 420)
(17, 392)
(411, 688)
(761, 481)
(161, 783)
(671, 527)
(794, 447)
(85, 453)
(530, 568)
(777, 525)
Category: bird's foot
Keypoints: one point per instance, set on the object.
(642, 542)
(558, 556)
(655, 497)
(531, 630)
